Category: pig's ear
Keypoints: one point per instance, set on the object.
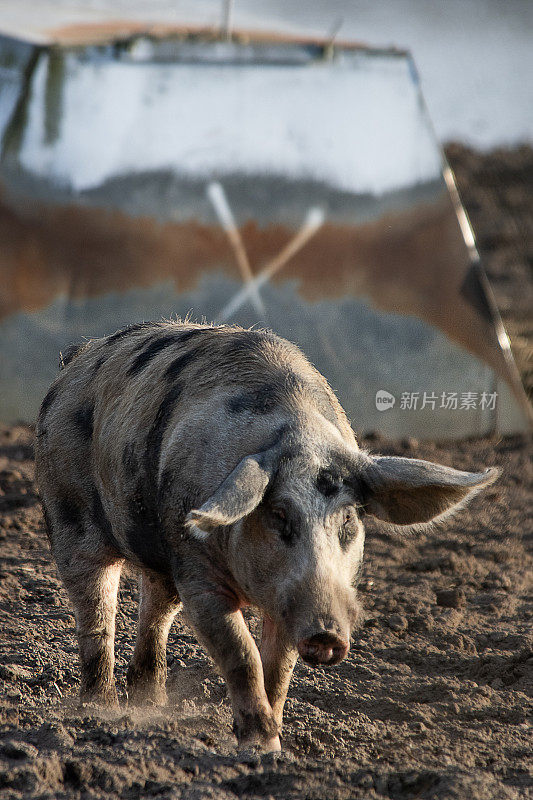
(238, 495)
(408, 491)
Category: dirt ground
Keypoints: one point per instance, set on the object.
(434, 700)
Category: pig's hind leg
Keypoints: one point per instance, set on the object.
(147, 672)
(90, 569)
(93, 589)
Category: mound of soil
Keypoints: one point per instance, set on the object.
(496, 189)
(432, 701)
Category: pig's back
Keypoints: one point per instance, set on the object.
(157, 399)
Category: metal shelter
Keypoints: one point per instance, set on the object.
(257, 179)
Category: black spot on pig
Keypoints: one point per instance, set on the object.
(101, 521)
(124, 332)
(70, 353)
(156, 433)
(130, 462)
(69, 513)
(152, 349)
(176, 367)
(84, 420)
(98, 364)
(329, 483)
(247, 343)
(202, 348)
(143, 533)
(45, 406)
(193, 333)
(164, 487)
(262, 400)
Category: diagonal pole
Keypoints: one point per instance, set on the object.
(217, 196)
(313, 221)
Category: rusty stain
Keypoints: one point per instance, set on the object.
(407, 262)
(120, 30)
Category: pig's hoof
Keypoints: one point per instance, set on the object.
(258, 730)
(105, 698)
(146, 695)
(255, 748)
(144, 688)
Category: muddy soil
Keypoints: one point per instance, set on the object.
(434, 700)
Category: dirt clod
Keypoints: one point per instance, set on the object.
(397, 623)
(18, 750)
(451, 598)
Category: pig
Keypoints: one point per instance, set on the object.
(219, 462)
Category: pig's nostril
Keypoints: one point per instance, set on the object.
(322, 648)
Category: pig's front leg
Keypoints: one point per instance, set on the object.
(220, 627)
(278, 658)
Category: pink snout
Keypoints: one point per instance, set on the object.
(323, 649)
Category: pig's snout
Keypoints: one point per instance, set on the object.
(323, 648)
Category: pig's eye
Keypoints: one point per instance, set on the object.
(348, 516)
(347, 531)
(279, 516)
(282, 525)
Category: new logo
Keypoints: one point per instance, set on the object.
(384, 400)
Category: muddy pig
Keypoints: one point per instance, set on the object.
(219, 462)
